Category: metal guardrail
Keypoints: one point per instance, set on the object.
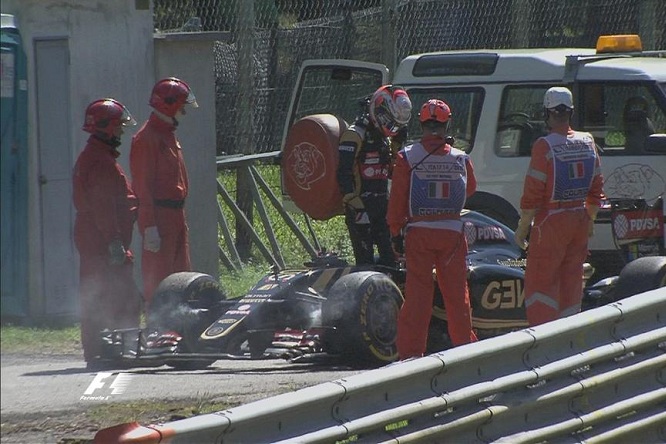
(598, 376)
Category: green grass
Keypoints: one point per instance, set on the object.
(331, 235)
(237, 284)
(32, 340)
(67, 340)
(154, 411)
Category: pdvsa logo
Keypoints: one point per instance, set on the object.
(643, 224)
(485, 233)
(638, 224)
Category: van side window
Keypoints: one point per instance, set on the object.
(520, 120)
(620, 116)
(465, 104)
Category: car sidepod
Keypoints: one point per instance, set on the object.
(498, 299)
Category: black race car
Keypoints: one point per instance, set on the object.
(332, 308)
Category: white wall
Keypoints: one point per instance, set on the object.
(190, 58)
(111, 54)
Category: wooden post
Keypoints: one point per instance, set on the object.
(389, 17)
(245, 47)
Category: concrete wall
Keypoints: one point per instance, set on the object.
(112, 54)
(190, 58)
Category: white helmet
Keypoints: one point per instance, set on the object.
(556, 96)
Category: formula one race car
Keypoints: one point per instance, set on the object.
(332, 308)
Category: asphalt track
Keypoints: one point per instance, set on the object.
(51, 384)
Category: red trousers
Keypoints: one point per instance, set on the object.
(173, 256)
(446, 250)
(109, 299)
(555, 258)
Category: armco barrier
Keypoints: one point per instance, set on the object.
(598, 376)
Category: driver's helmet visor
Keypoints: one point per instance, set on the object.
(394, 127)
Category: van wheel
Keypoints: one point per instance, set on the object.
(495, 207)
(361, 318)
(641, 275)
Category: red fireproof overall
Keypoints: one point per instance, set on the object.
(563, 177)
(431, 240)
(159, 179)
(105, 211)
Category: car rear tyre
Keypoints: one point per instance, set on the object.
(494, 207)
(360, 316)
(187, 303)
(641, 275)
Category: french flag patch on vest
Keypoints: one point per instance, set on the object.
(438, 190)
(576, 170)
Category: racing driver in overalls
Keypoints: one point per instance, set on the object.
(365, 156)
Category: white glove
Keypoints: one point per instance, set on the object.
(523, 230)
(151, 240)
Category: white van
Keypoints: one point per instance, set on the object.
(496, 99)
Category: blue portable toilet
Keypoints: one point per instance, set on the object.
(14, 173)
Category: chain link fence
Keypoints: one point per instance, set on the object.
(256, 67)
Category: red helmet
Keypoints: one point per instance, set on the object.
(103, 116)
(390, 109)
(435, 110)
(170, 94)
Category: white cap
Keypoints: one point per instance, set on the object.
(557, 95)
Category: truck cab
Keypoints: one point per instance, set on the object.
(496, 100)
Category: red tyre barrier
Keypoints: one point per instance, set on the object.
(309, 164)
(131, 432)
